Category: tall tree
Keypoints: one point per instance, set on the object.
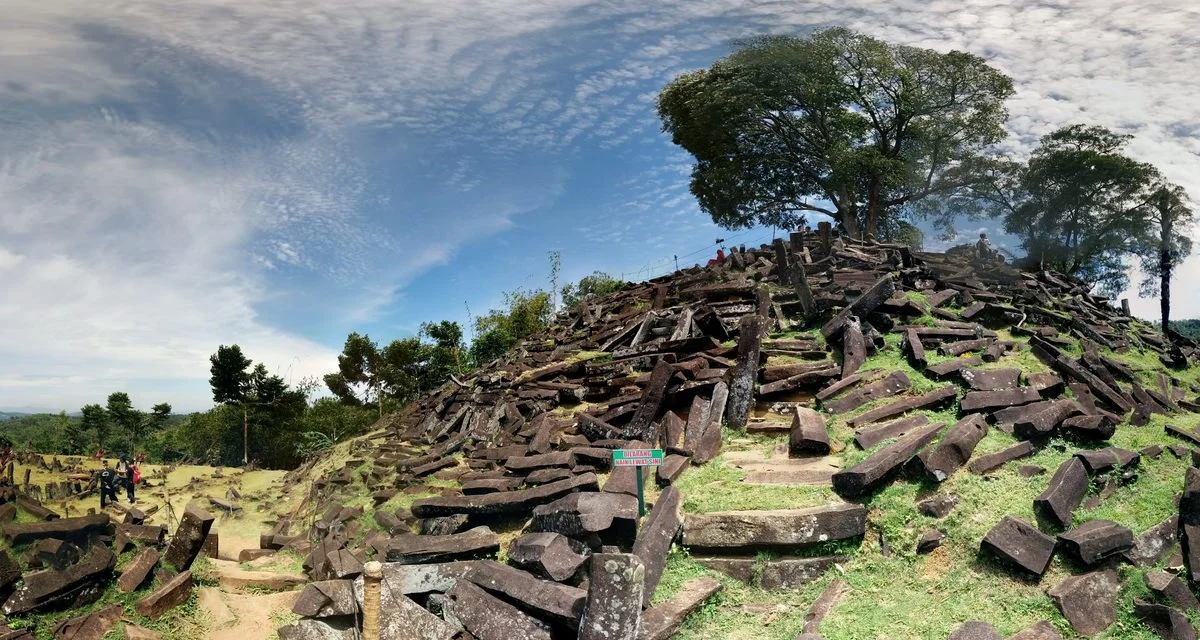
(1171, 216)
(72, 434)
(785, 125)
(124, 416)
(231, 385)
(360, 364)
(596, 284)
(1081, 205)
(445, 354)
(159, 414)
(95, 420)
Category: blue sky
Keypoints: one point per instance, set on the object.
(178, 176)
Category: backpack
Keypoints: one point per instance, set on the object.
(137, 475)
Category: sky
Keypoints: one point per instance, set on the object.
(177, 176)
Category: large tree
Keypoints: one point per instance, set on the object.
(95, 420)
(231, 385)
(838, 123)
(368, 374)
(1081, 205)
(123, 416)
(1170, 216)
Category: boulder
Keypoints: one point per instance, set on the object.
(79, 584)
(783, 528)
(654, 540)
(1094, 427)
(1107, 459)
(662, 621)
(506, 502)
(189, 537)
(408, 548)
(1021, 544)
(1038, 631)
(400, 618)
(894, 383)
(77, 530)
(875, 469)
(992, 461)
(326, 599)
(809, 435)
(444, 525)
(938, 507)
(930, 540)
(138, 570)
(1168, 623)
(955, 448)
(1171, 587)
(486, 617)
(1154, 544)
(1067, 488)
(333, 629)
(1088, 601)
(171, 594)
(90, 626)
(547, 554)
(610, 516)
(614, 599)
(990, 379)
(1095, 541)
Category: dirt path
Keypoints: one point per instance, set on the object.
(243, 616)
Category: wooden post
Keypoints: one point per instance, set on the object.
(825, 230)
(372, 577)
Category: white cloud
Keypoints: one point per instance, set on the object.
(135, 241)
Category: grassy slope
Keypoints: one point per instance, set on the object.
(909, 596)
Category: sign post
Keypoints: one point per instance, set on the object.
(638, 458)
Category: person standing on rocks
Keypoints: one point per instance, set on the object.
(125, 473)
(108, 486)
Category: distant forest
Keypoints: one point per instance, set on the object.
(1187, 328)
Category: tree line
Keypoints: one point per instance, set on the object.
(262, 418)
(878, 136)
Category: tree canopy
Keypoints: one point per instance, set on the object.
(838, 123)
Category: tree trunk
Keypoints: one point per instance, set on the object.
(245, 435)
(1165, 267)
(873, 206)
(849, 219)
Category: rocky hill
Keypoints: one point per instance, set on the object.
(859, 441)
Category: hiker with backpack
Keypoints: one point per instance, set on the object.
(108, 485)
(125, 472)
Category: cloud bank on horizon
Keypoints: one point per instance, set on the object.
(178, 176)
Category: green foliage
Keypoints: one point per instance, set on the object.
(785, 123)
(230, 380)
(401, 370)
(524, 314)
(596, 285)
(1187, 328)
(95, 421)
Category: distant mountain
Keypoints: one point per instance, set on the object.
(11, 415)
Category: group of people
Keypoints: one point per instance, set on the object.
(125, 473)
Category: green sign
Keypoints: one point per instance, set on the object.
(637, 457)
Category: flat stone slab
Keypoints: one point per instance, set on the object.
(1064, 494)
(780, 573)
(895, 382)
(486, 617)
(654, 539)
(993, 400)
(991, 379)
(506, 502)
(778, 469)
(170, 595)
(992, 461)
(189, 537)
(1107, 459)
(783, 528)
(809, 435)
(409, 548)
(874, 470)
(549, 555)
(1021, 544)
(77, 530)
(325, 599)
(662, 621)
(933, 398)
(1095, 541)
(77, 583)
(1088, 601)
(868, 437)
(138, 570)
(1038, 631)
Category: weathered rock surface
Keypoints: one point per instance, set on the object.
(189, 537)
(1088, 601)
(1065, 493)
(654, 539)
(547, 554)
(171, 594)
(780, 573)
(488, 618)
(417, 549)
(1095, 541)
(614, 601)
(786, 528)
(1021, 544)
(1168, 623)
(663, 620)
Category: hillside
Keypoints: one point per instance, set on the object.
(928, 440)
